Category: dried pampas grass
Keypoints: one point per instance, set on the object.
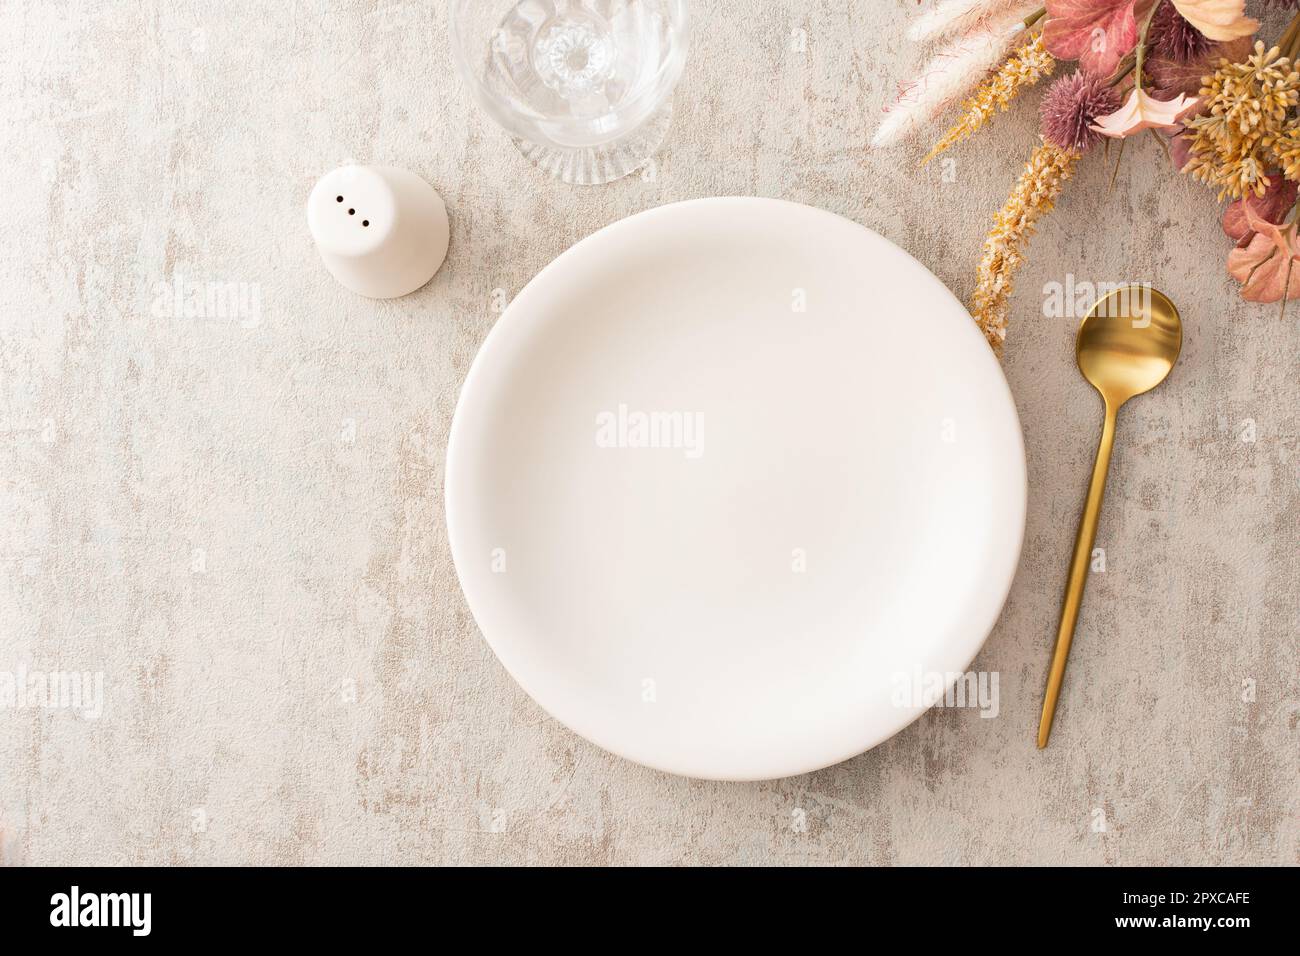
(951, 16)
(945, 79)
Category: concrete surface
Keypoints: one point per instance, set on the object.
(237, 521)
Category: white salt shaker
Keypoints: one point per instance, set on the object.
(381, 231)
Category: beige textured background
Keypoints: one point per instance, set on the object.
(234, 520)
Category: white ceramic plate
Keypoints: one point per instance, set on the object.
(727, 481)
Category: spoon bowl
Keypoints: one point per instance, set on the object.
(1127, 344)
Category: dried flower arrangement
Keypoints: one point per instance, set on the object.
(1189, 69)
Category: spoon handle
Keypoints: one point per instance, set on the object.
(1078, 574)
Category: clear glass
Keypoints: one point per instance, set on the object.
(583, 86)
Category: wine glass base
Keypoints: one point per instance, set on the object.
(594, 165)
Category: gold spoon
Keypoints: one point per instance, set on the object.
(1128, 342)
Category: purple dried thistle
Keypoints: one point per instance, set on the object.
(1072, 104)
(1172, 37)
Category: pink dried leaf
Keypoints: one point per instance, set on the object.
(1264, 273)
(1097, 33)
(1283, 236)
(1272, 207)
(1166, 78)
(1180, 148)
